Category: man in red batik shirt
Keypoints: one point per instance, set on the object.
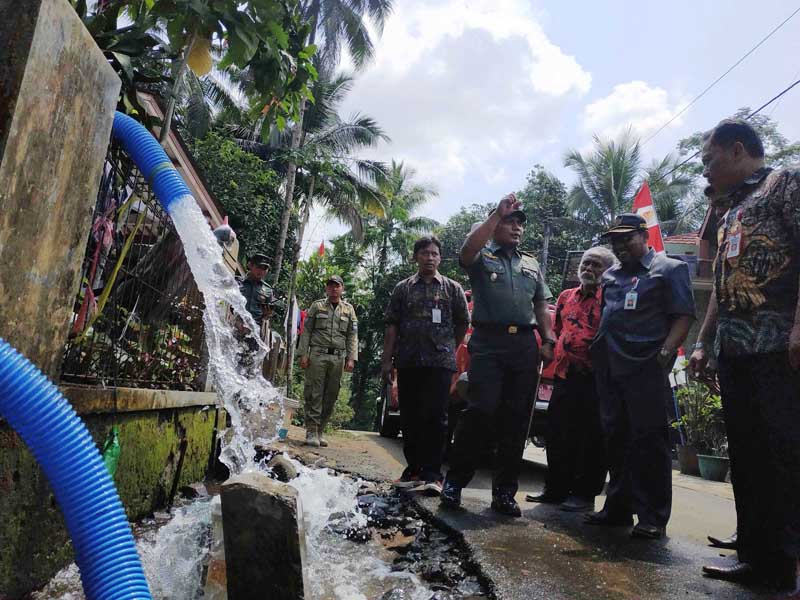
(576, 465)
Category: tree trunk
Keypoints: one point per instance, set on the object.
(288, 201)
(298, 136)
(173, 95)
(546, 246)
(290, 345)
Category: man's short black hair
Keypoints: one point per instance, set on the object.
(730, 131)
(426, 241)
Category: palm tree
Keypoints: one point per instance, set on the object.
(679, 202)
(606, 180)
(338, 22)
(610, 176)
(396, 226)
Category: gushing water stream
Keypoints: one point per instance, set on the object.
(174, 554)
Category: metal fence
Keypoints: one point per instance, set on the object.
(137, 319)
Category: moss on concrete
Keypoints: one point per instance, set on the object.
(33, 541)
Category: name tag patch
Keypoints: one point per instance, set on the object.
(631, 299)
(436, 315)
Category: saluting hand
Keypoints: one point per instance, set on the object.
(508, 205)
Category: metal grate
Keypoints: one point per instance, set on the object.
(137, 319)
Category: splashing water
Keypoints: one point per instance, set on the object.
(336, 568)
(172, 557)
(235, 349)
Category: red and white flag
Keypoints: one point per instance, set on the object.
(643, 206)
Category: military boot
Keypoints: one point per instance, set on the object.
(322, 441)
(312, 438)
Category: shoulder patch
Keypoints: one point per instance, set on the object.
(529, 260)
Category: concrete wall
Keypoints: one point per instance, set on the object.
(57, 101)
(161, 451)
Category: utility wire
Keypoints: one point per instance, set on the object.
(721, 77)
(752, 114)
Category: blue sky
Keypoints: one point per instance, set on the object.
(473, 93)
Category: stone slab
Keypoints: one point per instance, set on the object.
(264, 539)
(56, 110)
(91, 400)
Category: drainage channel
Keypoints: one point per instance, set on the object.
(364, 541)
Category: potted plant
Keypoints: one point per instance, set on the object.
(702, 428)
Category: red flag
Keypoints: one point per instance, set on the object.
(321, 250)
(643, 206)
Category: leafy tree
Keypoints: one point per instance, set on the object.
(266, 38)
(338, 22)
(550, 231)
(779, 150)
(247, 188)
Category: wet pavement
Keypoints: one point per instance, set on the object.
(551, 554)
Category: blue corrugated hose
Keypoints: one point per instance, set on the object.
(151, 159)
(104, 547)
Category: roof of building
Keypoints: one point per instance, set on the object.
(683, 238)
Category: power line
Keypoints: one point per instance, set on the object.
(752, 114)
(721, 77)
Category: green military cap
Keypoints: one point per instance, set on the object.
(335, 279)
(259, 260)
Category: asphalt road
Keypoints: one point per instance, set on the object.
(550, 554)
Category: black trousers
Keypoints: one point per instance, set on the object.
(502, 376)
(761, 401)
(424, 394)
(576, 457)
(633, 413)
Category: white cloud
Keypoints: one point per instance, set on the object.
(463, 88)
(635, 105)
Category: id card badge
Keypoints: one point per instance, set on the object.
(436, 315)
(734, 245)
(631, 298)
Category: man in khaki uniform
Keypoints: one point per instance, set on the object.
(328, 346)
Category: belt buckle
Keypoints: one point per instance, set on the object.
(512, 329)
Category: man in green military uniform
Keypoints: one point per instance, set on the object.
(510, 301)
(258, 294)
(328, 346)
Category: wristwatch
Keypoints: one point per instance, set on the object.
(698, 346)
(550, 341)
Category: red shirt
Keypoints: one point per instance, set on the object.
(576, 323)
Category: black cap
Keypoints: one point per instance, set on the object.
(259, 260)
(517, 213)
(625, 223)
(336, 279)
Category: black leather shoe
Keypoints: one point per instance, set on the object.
(506, 505)
(605, 519)
(545, 498)
(736, 571)
(647, 532)
(450, 496)
(729, 543)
